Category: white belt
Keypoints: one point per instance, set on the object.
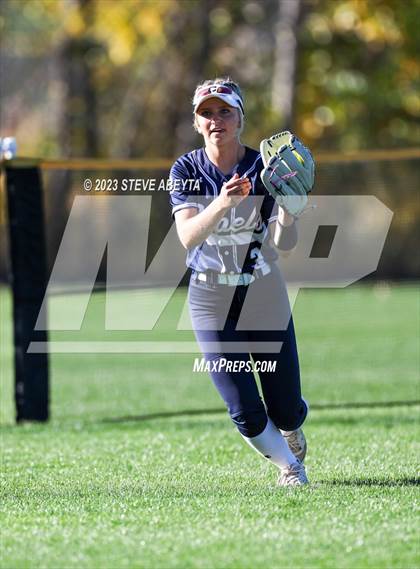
(242, 279)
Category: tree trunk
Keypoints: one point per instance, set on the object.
(78, 127)
(285, 60)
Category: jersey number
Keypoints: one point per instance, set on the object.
(255, 253)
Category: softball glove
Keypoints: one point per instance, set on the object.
(289, 171)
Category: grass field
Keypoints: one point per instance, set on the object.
(185, 491)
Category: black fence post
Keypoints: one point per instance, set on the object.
(28, 279)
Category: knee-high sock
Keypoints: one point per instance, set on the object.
(271, 444)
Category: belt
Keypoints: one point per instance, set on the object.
(231, 279)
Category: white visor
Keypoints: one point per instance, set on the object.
(221, 92)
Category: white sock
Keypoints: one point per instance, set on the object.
(271, 444)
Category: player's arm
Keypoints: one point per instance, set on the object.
(284, 232)
(193, 228)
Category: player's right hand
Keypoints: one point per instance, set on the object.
(234, 191)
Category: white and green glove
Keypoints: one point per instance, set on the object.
(289, 171)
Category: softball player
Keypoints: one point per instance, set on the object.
(237, 296)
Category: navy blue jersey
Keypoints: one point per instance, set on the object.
(240, 242)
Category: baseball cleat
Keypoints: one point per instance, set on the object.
(296, 442)
(293, 475)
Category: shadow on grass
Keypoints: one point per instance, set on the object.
(322, 419)
(381, 419)
(164, 415)
(403, 481)
(314, 407)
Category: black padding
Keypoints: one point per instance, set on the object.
(28, 280)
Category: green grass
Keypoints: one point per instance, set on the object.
(187, 491)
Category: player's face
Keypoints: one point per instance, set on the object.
(218, 122)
